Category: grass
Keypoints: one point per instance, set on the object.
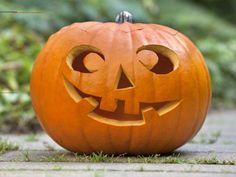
(57, 168)
(57, 157)
(95, 157)
(26, 156)
(100, 157)
(31, 138)
(7, 146)
(214, 160)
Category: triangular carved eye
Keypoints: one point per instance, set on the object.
(157, 59)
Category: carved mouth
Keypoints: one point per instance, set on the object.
(118, 117)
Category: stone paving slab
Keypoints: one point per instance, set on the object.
(109, 174)
(118, 169)
(216, 140)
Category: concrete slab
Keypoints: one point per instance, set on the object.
(117, 169)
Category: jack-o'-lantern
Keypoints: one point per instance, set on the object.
(120, 87)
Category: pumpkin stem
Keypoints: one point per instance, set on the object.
(124, 16)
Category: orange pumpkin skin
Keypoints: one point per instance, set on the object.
(65, 97)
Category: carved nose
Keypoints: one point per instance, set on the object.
(124, 86)
(123, 81)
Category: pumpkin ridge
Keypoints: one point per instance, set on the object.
(154, 91)
(197, 80)
(159, 33)
(43, 55)
(45, 62)
(206, 75)
(187, 41)
(132, 50)
(91, 39)
(148, 132)
(179, 113)
(112, 41)
(60, 65)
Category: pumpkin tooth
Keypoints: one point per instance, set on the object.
(163, 109)
(92, 101)
(168, 107)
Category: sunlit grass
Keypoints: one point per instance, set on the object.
(7, 146)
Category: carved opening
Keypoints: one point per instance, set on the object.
(118, 117)
(163, 66)
(78, 63)
(167, 59)
(72, 91)
(156, 106)
(118, 114)
(123, 81)
(162, 108)
(76, 58)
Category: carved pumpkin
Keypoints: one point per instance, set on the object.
(120, 87)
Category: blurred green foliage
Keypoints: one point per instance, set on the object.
(225, 9)
(210, 24)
